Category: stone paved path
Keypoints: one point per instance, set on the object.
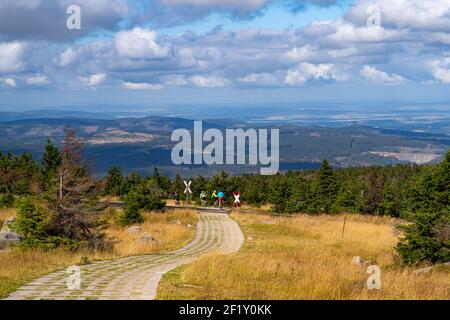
(137, 278)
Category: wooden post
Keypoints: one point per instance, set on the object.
(343, 227)
(60, 185)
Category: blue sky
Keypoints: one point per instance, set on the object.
(163, 52)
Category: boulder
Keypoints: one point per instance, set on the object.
(358, 261)
(134, 229)
(429, 269)
(8, 239)
(7, 225)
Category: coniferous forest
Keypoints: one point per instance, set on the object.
(57, 199)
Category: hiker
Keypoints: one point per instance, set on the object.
(237, 201)
(215, 198)
(203, 198)
(221, 196)
(176, 197)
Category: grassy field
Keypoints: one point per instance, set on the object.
(305, 257)
(19, 266)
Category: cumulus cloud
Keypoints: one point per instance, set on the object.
(68, 57)
(141, 86)
(303, 72)
(37, 80)
(8, 82)
(405, 14)
(94, 80)
(46, 20)
(441, 70)
(342, 49)
(207, 81)
(164, 13)
(11, 54)
(140, 43)
(375, 75)
(264, 79)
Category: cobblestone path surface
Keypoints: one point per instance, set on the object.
(136, 278)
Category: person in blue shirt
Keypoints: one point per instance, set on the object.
(221, 196)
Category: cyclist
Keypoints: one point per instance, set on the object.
(221, 196)
(215, 198)
(203, 198)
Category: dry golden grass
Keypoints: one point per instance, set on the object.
(305, 257)
(19, 266)
(110, 199)
(162, 227)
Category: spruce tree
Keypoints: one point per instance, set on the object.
(327, 188)
(114, 182)
(427, 234)
(72, 216)
(51, 160)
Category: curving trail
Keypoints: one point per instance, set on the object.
(137, 278)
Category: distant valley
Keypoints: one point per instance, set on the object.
(141, 143)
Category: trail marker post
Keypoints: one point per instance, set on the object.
(187, 191)
(237, 202)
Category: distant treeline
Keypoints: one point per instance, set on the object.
(419, 194)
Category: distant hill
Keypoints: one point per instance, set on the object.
(142, 143)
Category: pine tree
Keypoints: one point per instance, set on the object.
(327, 187)
(178, 185)
(51, 161)
(427, 235)
(71, 214)
(115, 182)
(372, 192)
(30, 223)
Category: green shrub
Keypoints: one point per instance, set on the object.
(30, 221)
(7, 201)
(131, 214)
(426, 238)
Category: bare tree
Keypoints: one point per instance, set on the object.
(72, 214)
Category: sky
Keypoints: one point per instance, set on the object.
(163, 52)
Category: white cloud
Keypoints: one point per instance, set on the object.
(140, 43)
(404, 14)
(9, 82)
(175, 80)
(11, 57)
(37, 80)
(374, 75)
(141, 86)
(443, 75)
(303, 53)
(94, 80)
(440, 69)
(260, 79)
(306, 71)
(207, 81)
(68, 57)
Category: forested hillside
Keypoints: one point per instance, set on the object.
(418, 194)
